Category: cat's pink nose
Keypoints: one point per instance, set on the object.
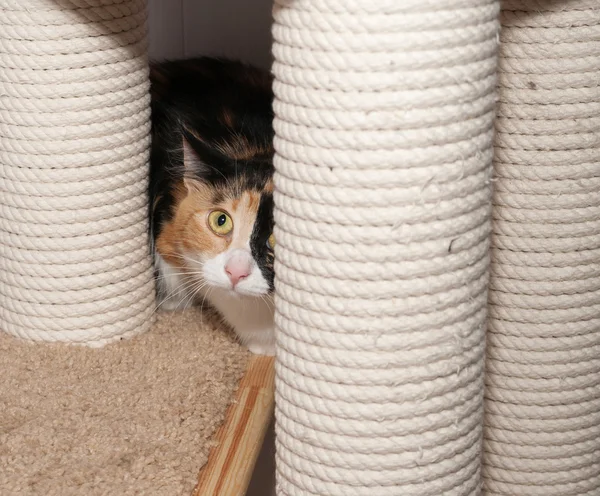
(237, 270)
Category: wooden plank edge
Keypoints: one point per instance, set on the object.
(239, 440)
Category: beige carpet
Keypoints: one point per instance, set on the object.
(133, 418)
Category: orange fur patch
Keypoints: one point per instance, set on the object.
(269, 187)
(253, 201)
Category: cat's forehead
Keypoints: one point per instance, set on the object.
(246, 202)
(240, 192)
(238, 146)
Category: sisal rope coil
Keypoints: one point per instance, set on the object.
(74, 140)
(542, 434)
(384, 133)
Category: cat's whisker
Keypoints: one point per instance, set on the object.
(269, 302)
(160, 303)
(181, 274)
(190, 287)
(205, 296)
(203, 309)
(179, 256)
(193, 292)
(188, 259)
(184, 287)
(188, 301)
(190, 274)
(182, 256)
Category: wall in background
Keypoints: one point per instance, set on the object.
(238, 29)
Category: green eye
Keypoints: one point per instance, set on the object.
(271, 242)
(220, 222)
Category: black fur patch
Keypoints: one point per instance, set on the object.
(263, 228)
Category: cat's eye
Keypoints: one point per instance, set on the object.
(220, 222)
(271, 241)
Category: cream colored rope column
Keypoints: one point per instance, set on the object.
(384, 119)
(542, 434)
(74, 137)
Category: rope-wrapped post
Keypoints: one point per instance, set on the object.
(384, 130)
(542, 423)
(74, 145)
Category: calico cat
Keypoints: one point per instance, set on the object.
(211, 192)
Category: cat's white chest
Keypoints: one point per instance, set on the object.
(251, 317)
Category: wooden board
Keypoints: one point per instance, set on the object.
(238, 442)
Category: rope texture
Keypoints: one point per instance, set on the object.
(542, 422)
(74, 138)
(384, 132)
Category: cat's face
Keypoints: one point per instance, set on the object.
(220, 233)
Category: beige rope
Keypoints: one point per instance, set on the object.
(74, 136)
(384, 114)
(542, 423)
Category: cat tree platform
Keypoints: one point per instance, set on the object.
(141, 416)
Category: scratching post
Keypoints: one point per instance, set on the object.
(384, 118)
(542, 434)
(74, 137)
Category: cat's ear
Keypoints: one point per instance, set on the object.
(201, 161)
(192, 164)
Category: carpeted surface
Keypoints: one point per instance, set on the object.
(133, 418)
